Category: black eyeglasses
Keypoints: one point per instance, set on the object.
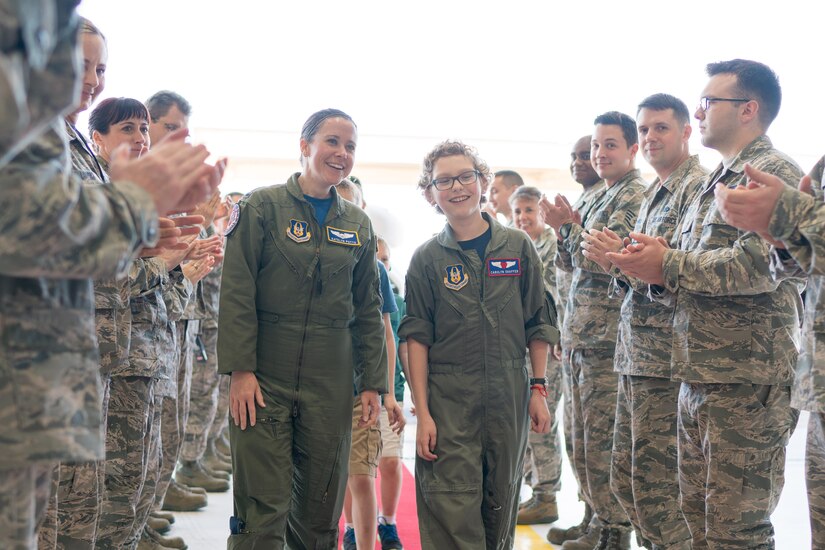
(448, 182)
(705, 102)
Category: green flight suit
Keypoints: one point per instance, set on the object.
(292, 295)
(476, 318)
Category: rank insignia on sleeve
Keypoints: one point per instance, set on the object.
(234, 216)
(342, 236)
(298, 231)
(503, 267)
(456, 278)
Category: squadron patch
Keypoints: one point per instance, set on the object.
(234, 216)
(342, 236)
(298, 231)
(503, 267)
(456, 278)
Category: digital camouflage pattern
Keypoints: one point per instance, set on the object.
(643, 476)
(732, 440)
(645, 339)
(591, 318)
(734, 323)
(544, 451)
(815, 477)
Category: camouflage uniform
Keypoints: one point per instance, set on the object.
(643, 474)
(74, 514)
(808, 392)
(58, 234)
(736, 333)
(563, 279)
(589, 339)
(173, 381)
(544, 451)
(203, 402)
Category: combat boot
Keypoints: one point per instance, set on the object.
(222, 445)
(613, 539)
(587, 541)
(557, 535)
(158, 524)
(214, 462)
(168, 516)
(166, 542)
(179, 500)
(192, 473)
(217, 474)
(146, 543)
(539, 509)
(188, 489)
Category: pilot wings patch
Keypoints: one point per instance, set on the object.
(343, 236)
(503, 267)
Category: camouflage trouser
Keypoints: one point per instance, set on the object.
(203, 402)
(129, 451)
(643, 468)
(73, 511)
(24, 494)
(544, 451)
(221, 423)
(594, 411)
(815, 477)
(567, 416)
(175, 411)
(732, 440)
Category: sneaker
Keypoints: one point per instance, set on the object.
(539, 509)
(388, 534)
(349, 539)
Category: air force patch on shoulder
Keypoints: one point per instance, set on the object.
(456, 278)
(298, 231)
(234, 216)
(343, 236)
(503, 267)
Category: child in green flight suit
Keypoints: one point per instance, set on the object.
(475, 303)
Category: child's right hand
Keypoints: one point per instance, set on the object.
(425, 438)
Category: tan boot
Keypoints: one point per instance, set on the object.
(214, 462)
(178, 500)
(168, 516)
(167, 542)
(557, 535)
(587, 541)
(539, 509)
(193, 473)
(158, 524)
(147, 543)
(188, 489)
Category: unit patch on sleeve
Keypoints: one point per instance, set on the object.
(298, 231)
(234, 216)
(503, 267)
(456, 278)
(342, 236)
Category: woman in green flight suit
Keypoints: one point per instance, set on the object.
(300, 280)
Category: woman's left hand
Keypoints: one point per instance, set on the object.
(539, 414)
(395, 414)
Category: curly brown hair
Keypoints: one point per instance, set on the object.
(450, 148)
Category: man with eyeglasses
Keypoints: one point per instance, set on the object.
(592, 187)
(735, 326)
(591, 323)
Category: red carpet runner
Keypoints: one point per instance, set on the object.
(406, 517)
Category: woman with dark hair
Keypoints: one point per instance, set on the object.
(119, 121)
(299, 317)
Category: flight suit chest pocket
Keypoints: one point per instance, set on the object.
(278, 248)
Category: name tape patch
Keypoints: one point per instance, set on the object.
(503, 267)
(456, 278)
(343, 237)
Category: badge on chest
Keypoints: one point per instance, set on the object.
(456, 278)
(298, 231)
(504, 267)
(343, 237)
